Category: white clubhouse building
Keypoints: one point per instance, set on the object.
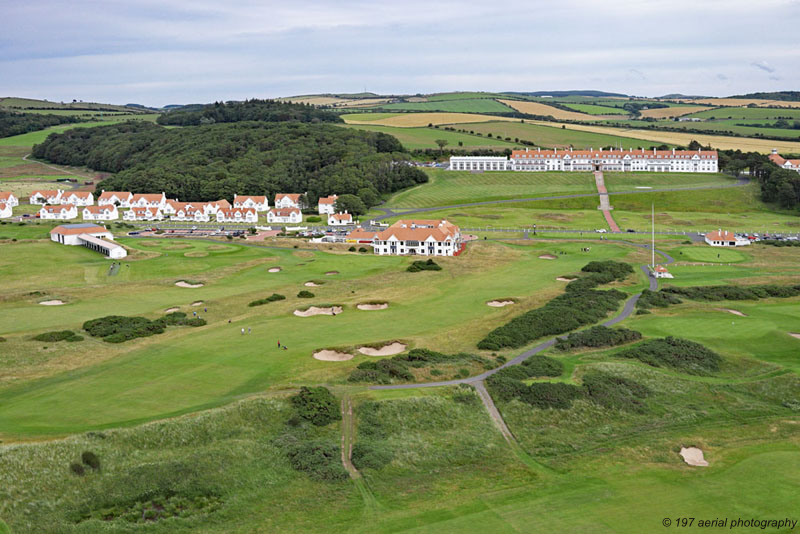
(89, 235)
(419, 237)
(593, 160)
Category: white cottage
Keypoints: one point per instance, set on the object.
(237, 215)
(723, 238)
(45, 196)
(258, 203)
(6, 211)
(77, 198)
(284, 216)
(8, 198)
(326, 205)
(293, 200)
(119, 198)
(143, 214)
(147, 200)
(340, 219)
(58, 212)
(107, 212)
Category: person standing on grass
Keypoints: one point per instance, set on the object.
(242, 331)
(279, 343)
(249, 330)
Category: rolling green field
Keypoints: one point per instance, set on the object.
(552, 137)
(417, 138)
(456, 187)
(462, 105)
(722, 127)
(748, 113)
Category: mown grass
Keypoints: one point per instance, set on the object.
(420, 138)
(461, 105)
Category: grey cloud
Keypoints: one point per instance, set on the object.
(763, 65)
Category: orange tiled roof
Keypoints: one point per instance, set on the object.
(420, 230)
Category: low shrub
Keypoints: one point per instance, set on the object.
(734, 292)
(542, 366)
(77, 469)
(120, 328)
(56, 335)
(319, 459)
(397, 368)
(371, 455)
(89, 458)
(352, 249)
(675, 353)
(362, 249)
(557, 395)
(313, 219)
(2, 339)
(305, 294)
(272, 298)
(598, 336)
(422, 265)
(656, 299)
(317, 405)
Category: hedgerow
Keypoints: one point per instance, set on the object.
(579, 306)
(598, 336)
(680, 354)
(272, 298)
(671, 295)
(656, 299)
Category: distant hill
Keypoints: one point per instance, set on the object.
(788, 96)
(675, 96)
(22, 104)
(564, 93)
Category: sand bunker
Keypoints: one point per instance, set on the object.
(387, 350)
(197, 303)
(313, 310)
(170, 310)
(547, 257)
(797, 336)
(370, 307)
(275, 269)
(311, 284)
(735, 312)
(644, 187)
(693, 456)
(332, 355)
(565, 279)
(332, 272)
(499, 303)
(187, 284)
(53, 302)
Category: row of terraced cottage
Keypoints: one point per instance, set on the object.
(66, 205)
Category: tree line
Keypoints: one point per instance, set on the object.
(210, 162)
(13, 123)
(249, 110)
(781, 186)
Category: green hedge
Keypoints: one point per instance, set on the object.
(598, 336)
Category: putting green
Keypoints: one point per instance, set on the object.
(707, 253)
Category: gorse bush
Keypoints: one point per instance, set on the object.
(680, 354)
(316, 405)
(89, 458)
(615, 391)
(656, 299)
(120, 328)
(77, 469)
(422, 265)
(321, 460)
(579, 306)
(397, 367)
(598, 336)
(305, 294)
(731, 292)
(57, 335)
(272, 298)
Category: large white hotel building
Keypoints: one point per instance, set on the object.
(593, 160)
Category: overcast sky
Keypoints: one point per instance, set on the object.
(158, 52)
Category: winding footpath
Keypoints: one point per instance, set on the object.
(477, 381)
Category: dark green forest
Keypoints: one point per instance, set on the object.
(781, 186)
(12, 123)
(198, 163)
(249, 110)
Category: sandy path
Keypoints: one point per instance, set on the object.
(313, 310)
(332, 356)
(184, 284)
(370, 307)
(54, 302)
(693, 456)
(735, 312)
(499, 303)
(387, 350)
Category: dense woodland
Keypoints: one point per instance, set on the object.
(249, 110)
(13, 123)
(778, 185)
(210, 162)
